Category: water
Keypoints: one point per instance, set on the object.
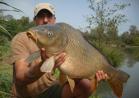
(132, 86)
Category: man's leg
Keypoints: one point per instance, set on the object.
(53, 92)
(66, 92)
(82, 90)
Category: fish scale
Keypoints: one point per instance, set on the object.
(81, 54)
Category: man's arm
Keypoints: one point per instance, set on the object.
(26, 73)
(23, 71)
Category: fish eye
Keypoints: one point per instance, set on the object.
(50, 34)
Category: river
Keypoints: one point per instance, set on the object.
(131, 89)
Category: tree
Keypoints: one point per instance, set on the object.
(105, 19)
(133, 30)
(134, 35)
(112, 31)
(131, 37)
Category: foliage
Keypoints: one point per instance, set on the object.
(5, 32)
(10, 27)
(131, 37)
(4, 50)
(114, 55)
(14, 26)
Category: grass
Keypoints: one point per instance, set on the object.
(5, 80)
(94, 97)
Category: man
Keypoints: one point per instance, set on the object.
(29, 81)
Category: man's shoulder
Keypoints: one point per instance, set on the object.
(20, 36)
(20, 39)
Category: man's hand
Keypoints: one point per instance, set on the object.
(100, 75)
(59, 59)
(43, 54)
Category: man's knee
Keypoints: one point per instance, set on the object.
(66, 92)
(85, 85)
(82, 90)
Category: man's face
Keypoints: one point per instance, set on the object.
(44, 17)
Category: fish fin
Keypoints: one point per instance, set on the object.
(94, 84)
(62, 78)
(48, 65)
(32, 35)
(71, 83)
(33, 56)
(117, 82)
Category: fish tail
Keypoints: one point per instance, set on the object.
(117, 81)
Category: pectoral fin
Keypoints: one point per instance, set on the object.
(71, 83)
(35, 55)
(94, 83)
(48, 65)
(62, 78)
(32, 35)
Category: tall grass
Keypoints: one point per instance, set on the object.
(5, 80)
(113, 54)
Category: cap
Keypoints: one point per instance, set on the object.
(46, 6)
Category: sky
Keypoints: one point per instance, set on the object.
(75, 12)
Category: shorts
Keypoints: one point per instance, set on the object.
(54, 91)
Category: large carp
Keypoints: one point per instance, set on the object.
(82, 59)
